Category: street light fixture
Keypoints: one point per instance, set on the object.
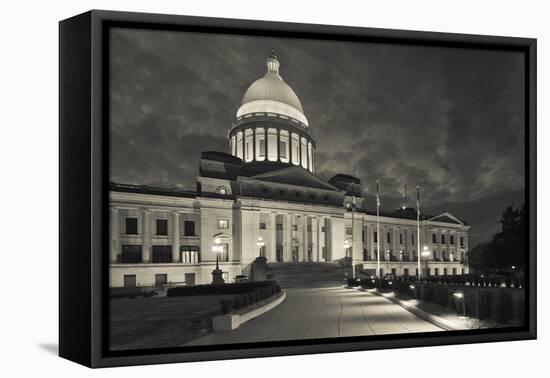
(217, 274)
(425, 255)
(461, 296)
(260, 245)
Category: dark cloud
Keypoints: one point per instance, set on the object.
(449, 120)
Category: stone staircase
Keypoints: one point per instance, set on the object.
(307, 274)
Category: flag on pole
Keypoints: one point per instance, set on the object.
(378, 193)
(418, 198)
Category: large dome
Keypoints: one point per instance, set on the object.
(270, 94)
(274, 89)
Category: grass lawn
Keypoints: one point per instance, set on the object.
(158, 322)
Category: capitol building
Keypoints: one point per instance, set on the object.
(263, 198)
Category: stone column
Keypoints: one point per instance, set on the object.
(304, 238)
(146, 236)
(395, 247)
(287, 249)
(115, 246)
(272, 253)
(319, 249)
(176, 237)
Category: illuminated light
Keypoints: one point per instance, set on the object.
(412, 287)
(217, 241)
(458, 295)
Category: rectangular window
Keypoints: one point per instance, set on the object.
(393, 272)
(240, 145)
(400, 238)
(304, 152)
(442, 238)
(223, 223)
(348, 230)
(248, 143)
(388, 237)
(308, 228)
(162, 254)
(462, 241)
(130, 254)
(260, 143)
(284, 144)
(444, 271)
(272, 144)
(375, 237)
(454, 271)
(323, 229)
(262, 226)
(436, 271)
(189, 279)
(279, 226)
(162, 227)
(434, 238)
(412, 239)
(189, 254)
(295, 149)
(452, 239)
(189, 228)
(161, 279)
(294, 227)
(363, 236)
(405, 271)
(131, 226)
(129, 280)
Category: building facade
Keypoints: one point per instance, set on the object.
(264, 199)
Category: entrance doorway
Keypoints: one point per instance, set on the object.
(295, 253)
(279, 253)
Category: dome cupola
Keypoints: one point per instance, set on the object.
(270, 125)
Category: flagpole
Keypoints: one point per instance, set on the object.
(418, 227)
(352, 236)
(377, 228)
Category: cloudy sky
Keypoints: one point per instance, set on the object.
(449, 120)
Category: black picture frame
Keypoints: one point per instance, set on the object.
(83, 180)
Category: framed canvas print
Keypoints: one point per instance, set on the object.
(234, 188)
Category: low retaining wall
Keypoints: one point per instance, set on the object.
(229, 322)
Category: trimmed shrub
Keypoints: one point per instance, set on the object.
(226, 306)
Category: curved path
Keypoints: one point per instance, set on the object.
(324, 312)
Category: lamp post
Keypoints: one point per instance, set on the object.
(217, 274)
(425, 255)
(377, 228)
(461, 296)
(260, 245)
(352, 206)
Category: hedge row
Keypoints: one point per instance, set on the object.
(230, 288)
(249, 298)
(500, 304)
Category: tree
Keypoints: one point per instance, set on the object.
(507, 247)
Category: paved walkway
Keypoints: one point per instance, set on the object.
(323, 312)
